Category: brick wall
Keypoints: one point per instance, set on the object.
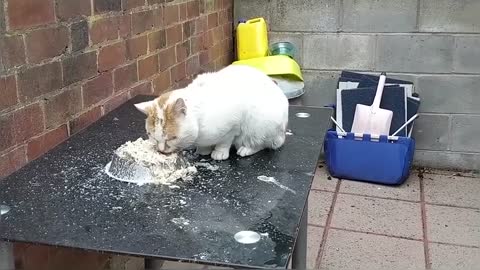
(435, 43)
(65, 63)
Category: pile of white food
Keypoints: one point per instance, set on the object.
(164, 168)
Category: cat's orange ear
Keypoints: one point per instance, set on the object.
(144, 107)
(179, 108)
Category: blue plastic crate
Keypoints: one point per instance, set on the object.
(381, 161)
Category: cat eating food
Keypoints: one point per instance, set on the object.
(238, 105)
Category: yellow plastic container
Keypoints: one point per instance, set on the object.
(252, 39)
(275, 65)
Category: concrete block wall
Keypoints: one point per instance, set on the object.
(434, 43)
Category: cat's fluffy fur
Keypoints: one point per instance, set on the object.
(237, 105)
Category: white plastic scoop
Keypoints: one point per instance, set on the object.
(372, 119)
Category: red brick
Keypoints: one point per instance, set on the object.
(212, 20)
(196, 44)
(12, 52)
(115, 101)
(178, 72)
(104, 29)
(174, 34)
(18, 252)
(124, 25)
(129, 4)
(200, 24)
(217, 51)
(141, 89)
(217, 34)
(8, 90)
(79, 67)
(167, 58)
(7, 132)
(60, 108)
(27, 122)
(204, 58)
(142, 21)
(161, 82)
(39, 80)
(147, 67)
(97, 89)
(85, 120)
(192, 9)
(227, 3)
(208, 39)
(67, 9)
(157, 40)
(183, 83)
(45, 142)
(158, 17)
(201, 7)
(209, 6)
(20, 125)
(136, 46)
(171, 14)
(228, 30)
(12, 161)
(101, 6)
(183, 51)
(79, 35)
(111, 56)
(223, 17)
(218, 4)
(182, 11)
(36, 257)
(230, 14)
(46, 43)
(188, 29)
(153, 2)
(26, 13)
(193, 65)
(125, 76)
(71, 259)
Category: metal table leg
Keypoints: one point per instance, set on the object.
(299, 258)
(6, 256)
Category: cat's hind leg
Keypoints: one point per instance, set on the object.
(278, 141)
(244, 151)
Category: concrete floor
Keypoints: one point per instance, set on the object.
(432, 221)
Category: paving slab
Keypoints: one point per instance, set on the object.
(450, 257)
(374, 215)
(351, 250)
(452, 190)
(410, 190)
(314, 237)
(453, 225)
(323, 180)
(319, 203)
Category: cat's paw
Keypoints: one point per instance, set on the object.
(204, 151)
(244, 151)
(220, 154)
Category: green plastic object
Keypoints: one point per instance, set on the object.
(283, 48)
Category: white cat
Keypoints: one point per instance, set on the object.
(237, 105)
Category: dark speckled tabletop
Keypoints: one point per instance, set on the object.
(65, 199)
